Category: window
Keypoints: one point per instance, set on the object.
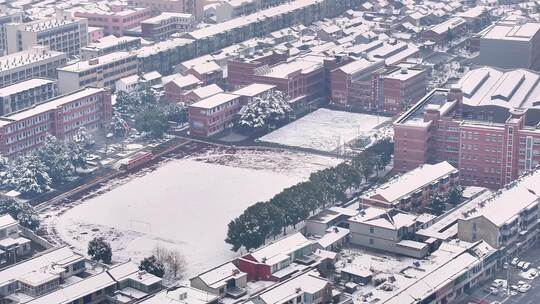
(371, 241)
(371, 230)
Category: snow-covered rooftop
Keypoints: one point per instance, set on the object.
(24, 85)
(410, 182)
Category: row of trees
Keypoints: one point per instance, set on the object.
(293, 205)
(51, 165)
(143, 110)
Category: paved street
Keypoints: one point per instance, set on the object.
(514, 275)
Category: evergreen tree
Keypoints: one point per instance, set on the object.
(28, 175)
(54, 156)
(436, 206)
(152, 266)
(152, 122)
(100, 250)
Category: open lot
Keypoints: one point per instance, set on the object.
(184, 204)
(326, 130)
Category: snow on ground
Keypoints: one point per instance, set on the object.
(184, 204)
(326, 130)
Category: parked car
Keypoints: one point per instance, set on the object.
(521, 283)
(499, 283)
(514, 262)
(524, 288)
(520, 264)
(533, 273)
(514, 287)
(526, 266)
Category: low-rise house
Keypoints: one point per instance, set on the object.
(264, 263)
(388, 230)
(255, 90)
(308, 288)
(224, 280)
(181, 295)
(175, 85)
(319, 223)
(333, 240)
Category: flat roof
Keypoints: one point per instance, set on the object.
(407, 183)
(29, 56)
(215, 101)
(54, 103)
(25, 85)
(102, 60)
(254, 89)
(511, 31)
(285, 246)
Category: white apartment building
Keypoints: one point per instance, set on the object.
(101, 71)
(38, 61)
(25, 94)
(6, 17)
(62, 33)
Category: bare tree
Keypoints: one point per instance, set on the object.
(174, 261)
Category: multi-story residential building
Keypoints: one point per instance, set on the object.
(446, 30)
(61, 33)
(401, 88)
(26, 94)
(95, 33)
(164, 25)
(213, 114)
(110, 44)
(240, 70)
(353, 84)
(13, 247)
(218, 36)
(101, 71)
(308, 288)
(388, 230)
(256, 90)
(208, 72)
(369, 84)
(510, 44)
(195, 95)
(193, 7)
(486, 126)
(162, 57)
(265, 263)
(224, 280)
(318, 224)
(7, 17)
(226, 10)
(507, 219)
(414, 189)
(302, 79)
(114, 19)
(456, 269)
(35, 62)
(62, 116)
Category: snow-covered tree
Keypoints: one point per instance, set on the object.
(100, 250)
(82, 137)
(28, 175)
(4, 162)
(77, 154)
(29, 218)
(126, 103)
(264, 110)
(55, 157)
(119, 126)
(153, 266)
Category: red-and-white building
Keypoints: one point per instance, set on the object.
(486, 126)
(270, 263)
(213, 114)
(24, 131)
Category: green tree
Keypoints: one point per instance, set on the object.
(152, 122)
(153, 266)
(28, 175)
(23, 212)
(100, 250)
(455, 194)
(436, 206)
